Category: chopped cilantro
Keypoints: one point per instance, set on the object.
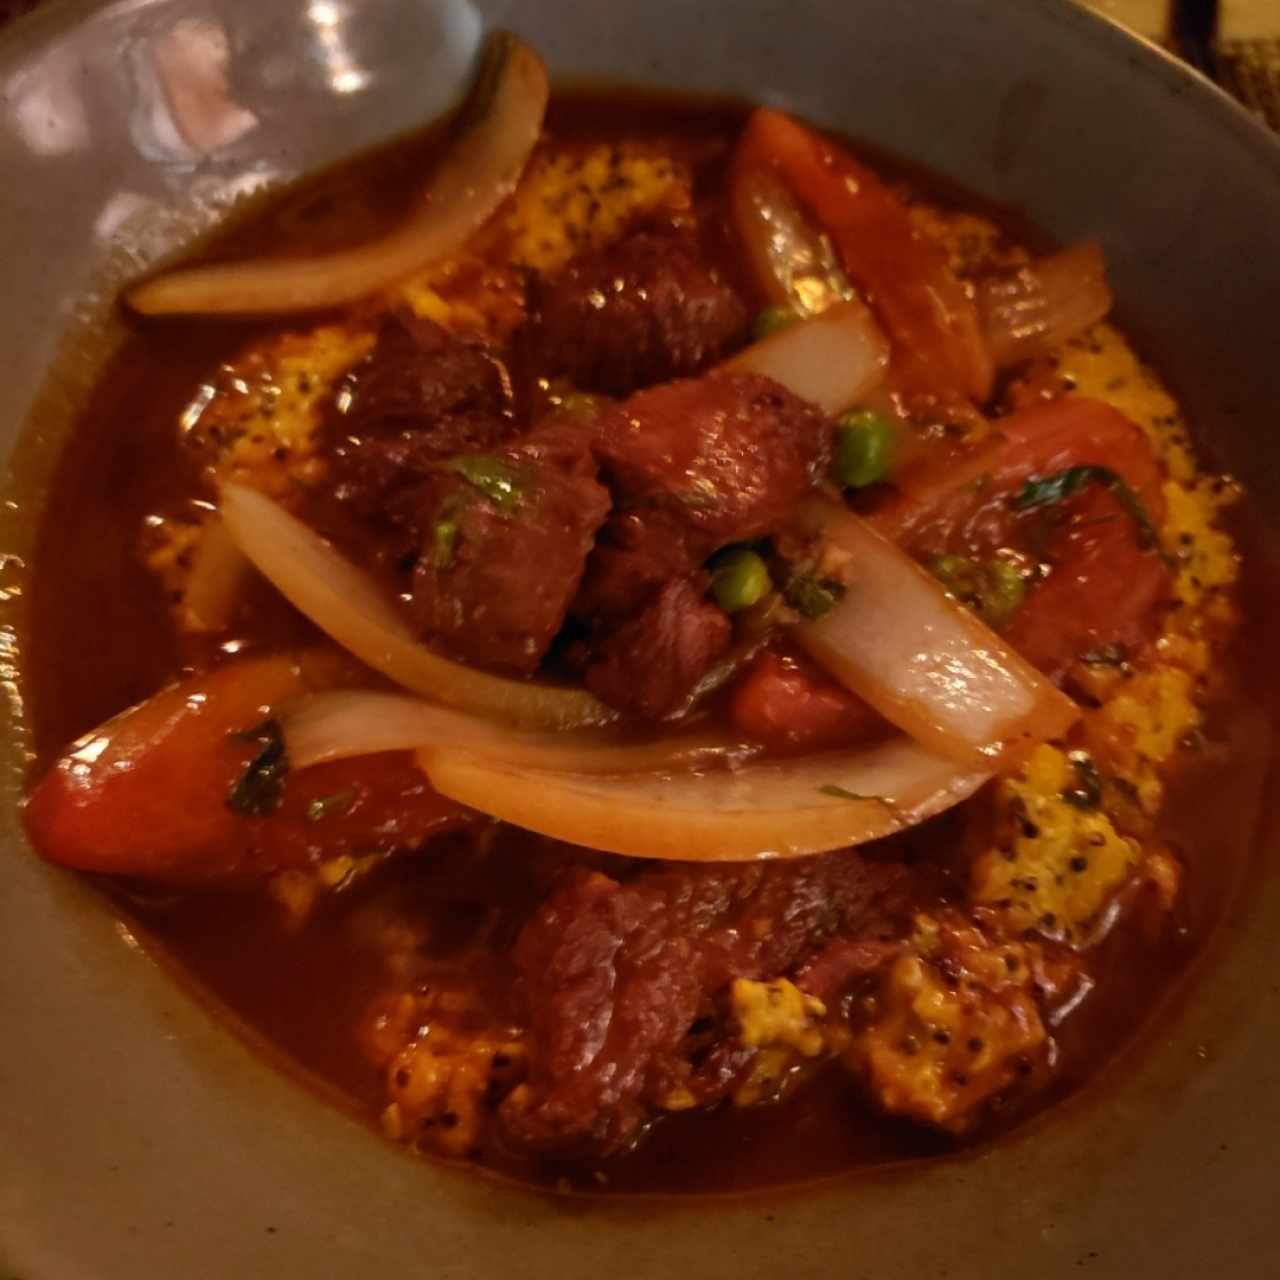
(330, 806)
(843, 793)
(444, 541)
(840, 793)
(811, 596)
(1044, 491)
(500, 482)
(257, 791)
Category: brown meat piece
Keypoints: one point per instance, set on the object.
(731, 453)
(646, 309)
(695, 465)
(614, 975)
(636, 552)
(652, 662)
(420, 372)
(502, 539)
(421, 395)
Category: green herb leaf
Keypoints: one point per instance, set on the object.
(810, 596)
(773, 320)
(257, 791)
(840, 793)
(330, 806)
(500, 482)
(444, 542)
(843, 793)
(1043, 491)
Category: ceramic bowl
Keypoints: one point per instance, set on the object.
(141, 1140)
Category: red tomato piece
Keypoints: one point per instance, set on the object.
(146, 793)
(1105, 584)
(787, 703)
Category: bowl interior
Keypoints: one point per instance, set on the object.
(138, 1139)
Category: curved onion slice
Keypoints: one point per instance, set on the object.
(1026, 313)
(341, 723)
(919, 657)
(781, 809)
(346, 604)
(219, 571)
(791, 262)
(832, 359)
(480, 169)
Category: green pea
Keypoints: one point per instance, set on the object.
(864, 449)
(960, 575)
(773, 320)
(994, 590)
(739, 580)
(1006, 590)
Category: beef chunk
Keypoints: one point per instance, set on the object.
(502, 539)
(652, 662)
(614, 975)
(731, 453)
(419, 372)
(644, 310)
(636, 553)
(695, 465)
(421, 395)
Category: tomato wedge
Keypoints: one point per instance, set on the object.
(931, 319)
(146, 794)
(789, 706)
(1105, 582)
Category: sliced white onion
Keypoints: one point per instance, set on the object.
(791, 261)
(480, 169)
(218, 574)
(832, 359)
(1044, 304)
(339, 724)
(919, 657)
(782, 809)
(347, 605)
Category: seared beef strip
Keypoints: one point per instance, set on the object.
(613, 976)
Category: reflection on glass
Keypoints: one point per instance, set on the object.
(345, 74)
(47, 107)
(191, 62)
